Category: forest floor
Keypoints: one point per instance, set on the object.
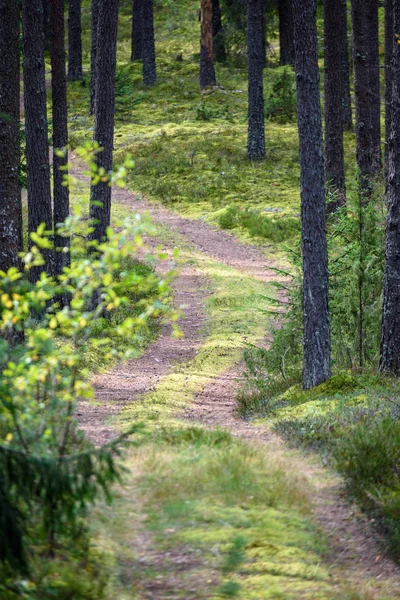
(213, 506)
(168, 537)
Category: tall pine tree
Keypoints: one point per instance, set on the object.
(345, 67)
(60, 128)
(93, 53)
(10, 193)
(316, 366)
(362, 72)
(256, 56)
(36, 127)
(286, 34)
(74, 41)
(374, 83)
(137, 30)
(100, 206)
(333, 88)
(207, 72)
(390, 342)
(148, 44)
(389, 47)
(218, 33)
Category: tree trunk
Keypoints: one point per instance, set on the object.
(60, 129)
(218, 33)
(100, 206)
(74, 41)
(345, 67)
(207, 73)
(46, 24)
(10, 193)
(374, 84)
(316, 367)
(390, 341)
(137, 30)
(37, 148)
(93, 54)
(361, 60)
(389, 47)
(333, 88)
(256, 55)
(286, 33)
(148, 44)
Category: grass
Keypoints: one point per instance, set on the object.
(352, 421)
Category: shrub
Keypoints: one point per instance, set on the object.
(281, 103)
(49, 471)
(260, 225)
(370, 459)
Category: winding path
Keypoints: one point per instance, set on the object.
(356, 554)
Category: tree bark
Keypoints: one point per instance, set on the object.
(148, 44)
(286, 33)
(374, 84)
(361, 60)
(10, 193)
(100, 206)
(390, 341)
(93, 53)
(74, 41)
(46, 24)
(389, 47)
(316, 366)
(256, 55)
(218, 33)
(334, 92)
(207, 73)
(36, 128)
(137, 30)
(345, 67)
(60, 130)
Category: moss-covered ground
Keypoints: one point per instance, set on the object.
(190, 147)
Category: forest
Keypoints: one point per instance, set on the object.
(199, 299)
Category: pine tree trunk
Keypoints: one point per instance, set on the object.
(93, 53)
(361, 61)
(333, 88)
(100, 206)
(390, 341)
(46, 24)
(148, 44)
(10, 193)
(286, 33)
(74, 41)
(345, 67)
(218, 33)
(36, 128)
(374, 84)
(207, 73)
(316, 367)
(60, 129)
(137, 30)
(256, 55)
(389, 47)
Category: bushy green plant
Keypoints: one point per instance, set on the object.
(49, 471)
(276, 229)
(370, 459)
(280, 102)
(356, 253)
